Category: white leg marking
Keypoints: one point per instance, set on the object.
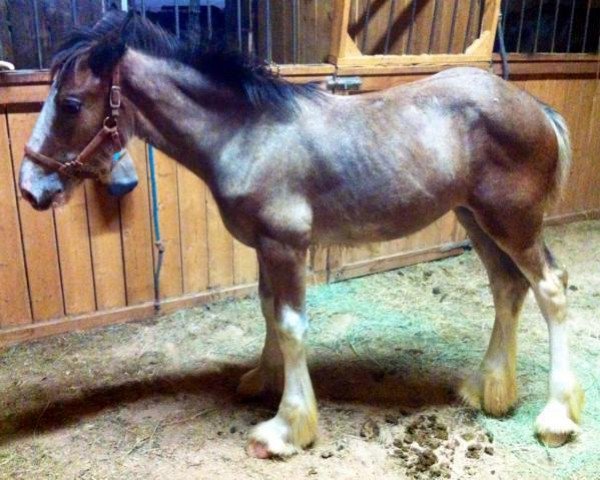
(295, 425)
(558, 420)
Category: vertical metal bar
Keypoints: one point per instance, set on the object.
(433, 25)
(505, 14)
(74, 13)
(124, 5)
(569, 37)
(143, 5)
(413, 14)
(521, 18)
(366, 26)
(38, 40)
(268, 35)
(555, 25)
(587, 24)
(250, 28)
(295, 15)
(468, 29)
(239, 24)
(452, 26)
(537, 27)
(389, 26)
(209, 18)
(177, 21)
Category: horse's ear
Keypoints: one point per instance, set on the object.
(104, 57)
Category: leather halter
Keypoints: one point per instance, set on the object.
(109, 131)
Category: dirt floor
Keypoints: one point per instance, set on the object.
(156, 399)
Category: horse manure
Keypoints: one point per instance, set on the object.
(370, 429)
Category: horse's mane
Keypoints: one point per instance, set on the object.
(107, 40)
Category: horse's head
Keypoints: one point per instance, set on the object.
(82, 129)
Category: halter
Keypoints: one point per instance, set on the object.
(109, 131)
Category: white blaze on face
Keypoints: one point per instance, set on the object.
(34, 181)
(44, 121)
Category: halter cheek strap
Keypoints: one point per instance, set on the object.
(79, 166)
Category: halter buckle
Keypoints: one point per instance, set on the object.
(114, 98)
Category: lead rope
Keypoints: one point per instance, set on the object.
(160, 248)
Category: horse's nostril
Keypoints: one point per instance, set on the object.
(27, 195)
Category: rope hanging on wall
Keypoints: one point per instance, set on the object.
(160, 248)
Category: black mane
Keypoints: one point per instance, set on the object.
(108, 39)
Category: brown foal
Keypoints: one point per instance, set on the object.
(291, 166)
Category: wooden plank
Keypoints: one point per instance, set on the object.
(107, 249)
(220, 247)
(136, 232)
(39, 236)
(73, 239)
(14, 295)
(141, 311)
(193, 228)
(171, 281)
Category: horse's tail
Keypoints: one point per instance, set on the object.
(565, 153)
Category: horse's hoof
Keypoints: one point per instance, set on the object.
(270, 439)
(493, 392)
(558, 421)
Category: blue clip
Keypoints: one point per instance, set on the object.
(118, 155)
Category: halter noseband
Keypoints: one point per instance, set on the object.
(109, 130)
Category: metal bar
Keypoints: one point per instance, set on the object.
(38, 40)
(452, 26)
(555, 25)
(295, 15)
(209, 18)
(433, 24)
(250, 28)
(143, 6)
(74, 13)
(587, 24)
(569, 37)
(177, 23)
(413, 14)
(239, 24)
(468, 29)
(389, 26)
(505, 14)
(268, 36)
(537, 27)
(366, 26)
(521, 25)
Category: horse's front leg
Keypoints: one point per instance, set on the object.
(268, 375)
(295, 425)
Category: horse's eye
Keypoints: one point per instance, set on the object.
(71, 105)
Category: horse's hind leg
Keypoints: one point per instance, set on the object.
(268, 375)
(493, 387)
(520, 237)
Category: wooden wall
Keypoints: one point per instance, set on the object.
(90, 262)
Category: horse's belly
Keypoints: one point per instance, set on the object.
(395, 221)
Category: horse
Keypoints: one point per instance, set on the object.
(291, 166)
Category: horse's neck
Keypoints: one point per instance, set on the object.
(171, 115)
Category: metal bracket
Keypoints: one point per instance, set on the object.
(344, 84)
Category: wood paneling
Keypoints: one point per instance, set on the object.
(14, 294)
(39, 234)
